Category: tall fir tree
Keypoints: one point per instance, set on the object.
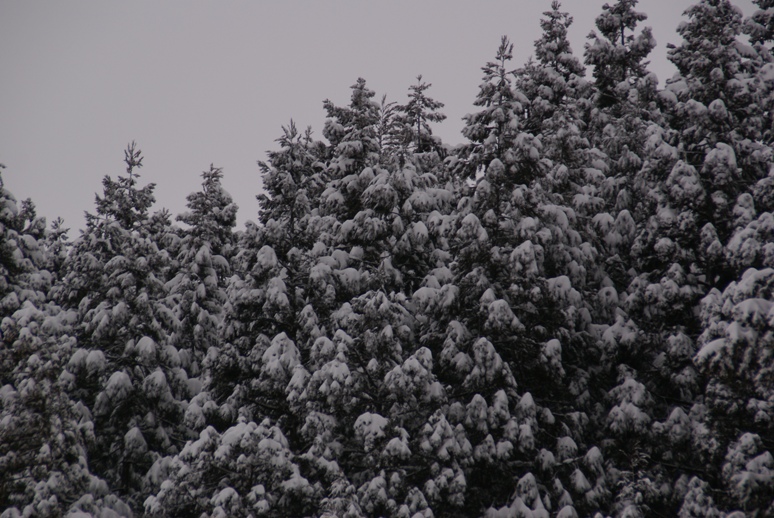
(124, 371)
(618, 55)
(351, 131)
(568, 315)
(389, 134)
(22, 253)
(416, 116)
(494, 131)
(293, 179)
(44, 468)
(197, 290)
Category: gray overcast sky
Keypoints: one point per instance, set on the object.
(197, 82)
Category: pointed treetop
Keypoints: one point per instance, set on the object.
(496, 90)
(616, 20)
(133, 160)
(361, 113)
(361, 95)
(497, 76)
(553, 48)
(388, 131)
(620, 55)
(122, 201)
(212, 178)
(211, 211)
(418, 113)
(708, 40)
(352, 131)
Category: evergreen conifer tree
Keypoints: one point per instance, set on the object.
(569, 315)
(495, 131)
(22, 253)
(44, 467)
(293, 179)
(351, 131)
(124, 371)
(197, 291)
(618, 55)
(416, 114)
(388, 133)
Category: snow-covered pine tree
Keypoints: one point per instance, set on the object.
(360, 269)
(197, 290)
(618, 55)
(354, 146)
(553, 82)
(553, 49)
(625, 94)
(22, 253)
(43, 463)
(495, 132)
(498, 147)
(416, 116)
(389, 133)
(634, 153)
(487, 316)
(124, 371)
(719, 112)
(735, 356)
(293, 179)
(265, 296)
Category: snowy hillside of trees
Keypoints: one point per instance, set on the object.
(569, 315)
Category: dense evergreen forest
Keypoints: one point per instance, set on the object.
(570, 314)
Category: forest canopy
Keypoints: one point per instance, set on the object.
(569, 314)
